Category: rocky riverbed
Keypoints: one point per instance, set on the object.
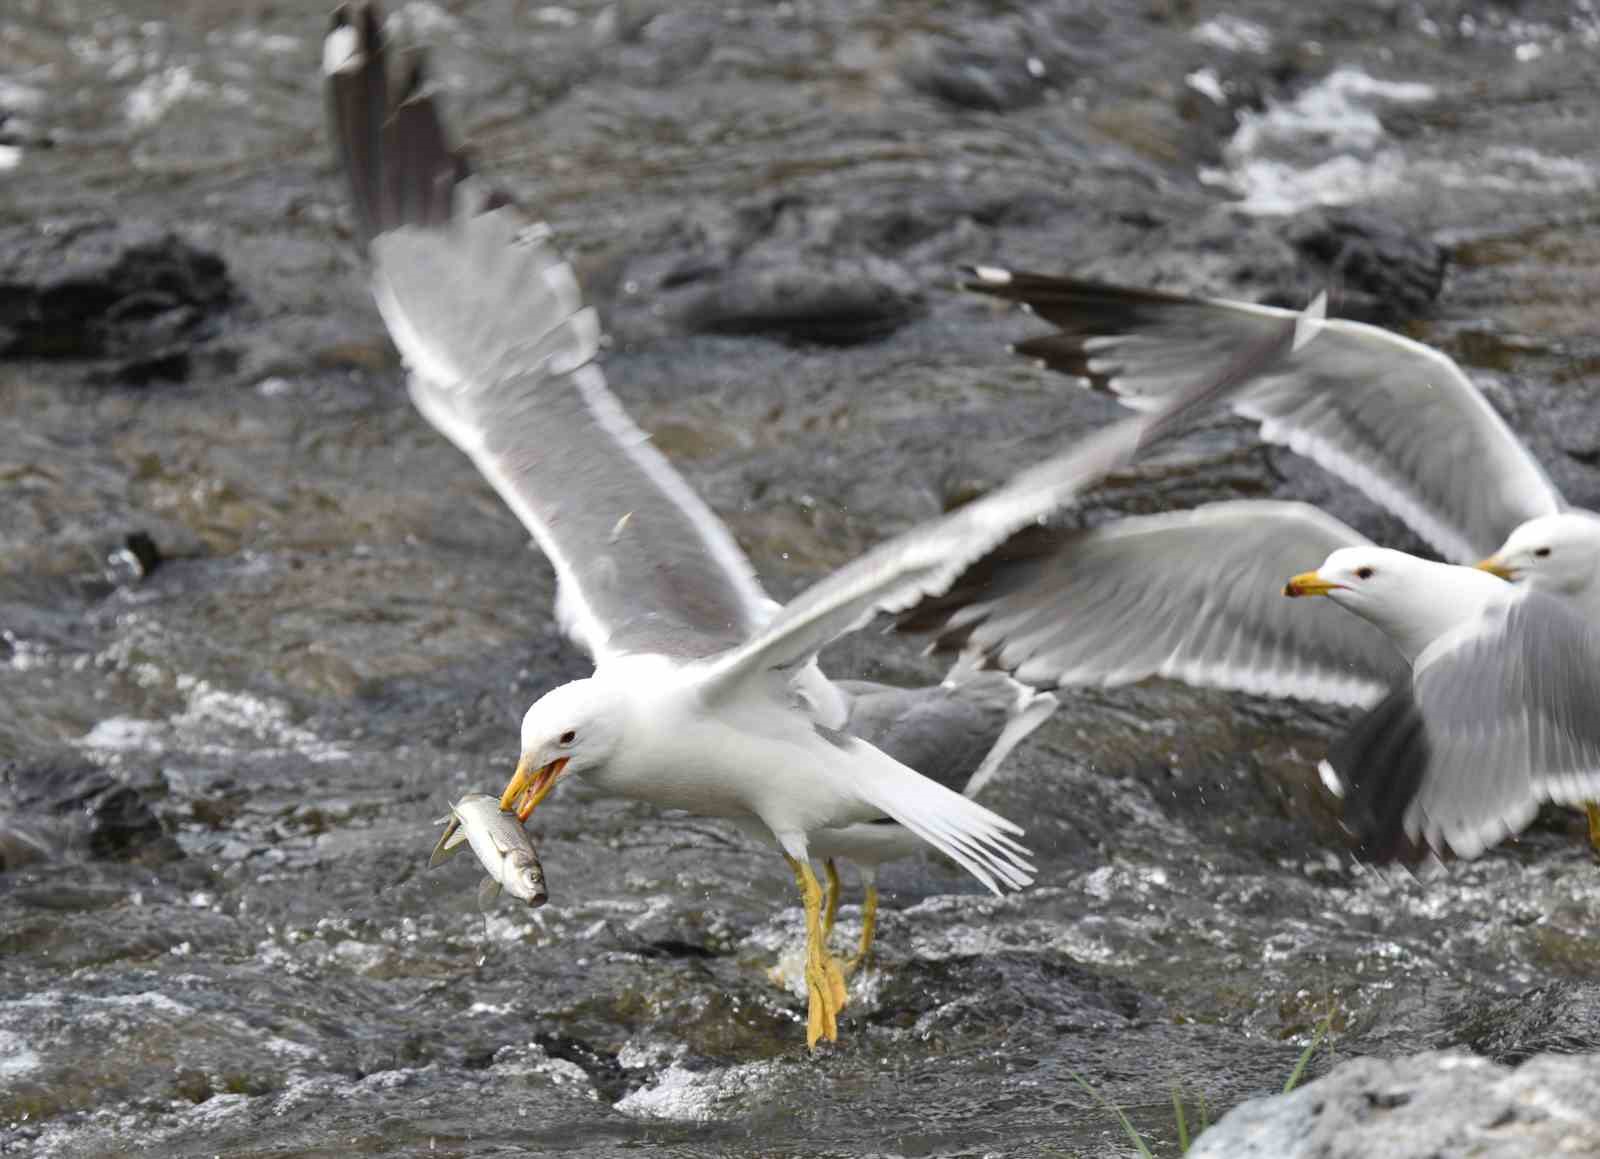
(258, 622)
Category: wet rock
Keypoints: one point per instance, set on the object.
(998, 78)
(935, 997)
(1420, 1107)
(51, 811)
(789, 269)
(834, 301)
(99, 289)
(1561, 1018)
(1009, 63)
(1378, 270)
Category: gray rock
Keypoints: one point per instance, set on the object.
(832, 301)
(1381, 271)
(53, 810)
(1561, 1018)
(1427, 1106)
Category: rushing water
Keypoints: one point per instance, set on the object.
(348, 624)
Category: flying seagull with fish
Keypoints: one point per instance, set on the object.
(1402, 422)
(706, 695)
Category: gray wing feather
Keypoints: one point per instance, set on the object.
(945, 732)
(1500, 717)
(491, 323)
(1193, 595)
(1391, 416)
(926, 560)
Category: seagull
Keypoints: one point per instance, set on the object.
(1393, 417)
(1478, 693)
(706, 695)
(1498, 716)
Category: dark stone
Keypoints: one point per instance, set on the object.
(60, 810)
(143, 549)
(835, 301)
(1376, 269)
(602, 1067)
(99, 289)
(1010, 62)
(972, 78)
(1561, 1018)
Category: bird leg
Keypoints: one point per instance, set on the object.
(830, 906)
(869, 926)
(824, 983)
(1593, 809)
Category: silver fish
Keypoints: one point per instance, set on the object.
(500, 842)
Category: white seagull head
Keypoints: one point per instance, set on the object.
(571, 729)
(1414, 601)
(1553, 553)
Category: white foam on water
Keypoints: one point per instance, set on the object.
(1328, 147)
(705, 1096)
(424, 19)
(17, 1057)
(16, 97)
(1205, 82)
(150, 100)
(1325, 147)
(213, 722)
(1233, 34)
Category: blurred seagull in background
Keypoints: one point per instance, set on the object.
(706, 695)
(1493, 716)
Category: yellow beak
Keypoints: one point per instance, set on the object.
(1494, 565)
(1309, 583)
(531, 785)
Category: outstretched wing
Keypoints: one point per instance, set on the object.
(1391, 416)
(1499, 717)
(926, 560)
(1193, 595)
(501, 350)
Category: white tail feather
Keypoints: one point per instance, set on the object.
(978, 840)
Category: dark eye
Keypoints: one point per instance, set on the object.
(1363, 573)
(569, 736)
(1541, 552)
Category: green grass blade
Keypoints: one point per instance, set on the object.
(1299, 1070)
(1127, 1127)
(1178, 1118)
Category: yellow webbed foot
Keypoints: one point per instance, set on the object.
(830, 903)
(824, 983)
(869, 927)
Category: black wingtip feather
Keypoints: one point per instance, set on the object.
(400, 164)
(1080, 309)
(1381, 761)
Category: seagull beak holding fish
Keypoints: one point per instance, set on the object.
(1309, 583)
(531, 785)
